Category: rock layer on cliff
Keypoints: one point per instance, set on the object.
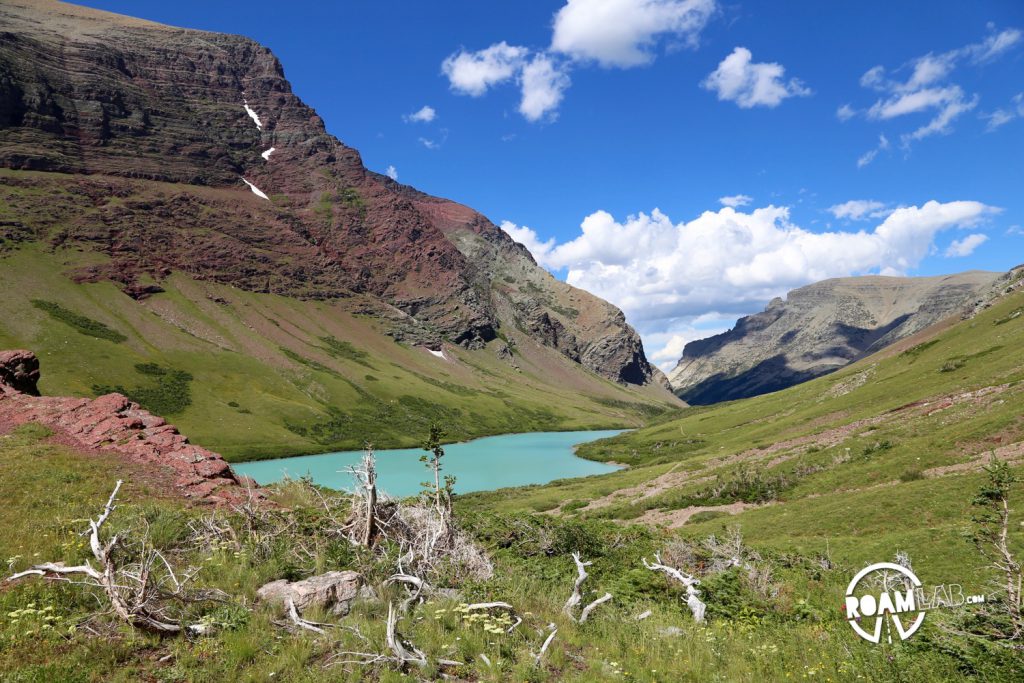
(255, 192)
(817, 329)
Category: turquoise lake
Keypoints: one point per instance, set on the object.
(492, 462)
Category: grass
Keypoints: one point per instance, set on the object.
(49, 491)
(852, 471)
(298, 370)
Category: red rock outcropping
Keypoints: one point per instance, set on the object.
(113, 423)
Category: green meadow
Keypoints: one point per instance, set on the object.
(258, 375)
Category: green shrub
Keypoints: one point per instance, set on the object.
(953, 365)
(309, 362)
(342, 349)
(915, 351)
(707, 515)
(79, 323)
(877, 447)
(574, 505)
(169, 395)
(911, 475)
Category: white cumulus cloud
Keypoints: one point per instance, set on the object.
(529, 239)
(624, 33)
(611, 33)
(391, 172)
(665, 275)
(735, 200)
(738, 79)
(472, 73)
(425, 114)
(845, 112)
(543, 83)
(966, 246)
(664, 349)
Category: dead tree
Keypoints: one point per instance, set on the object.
(366, 478)
(138, 592)
(577, 595)
(991, 537)
(690, 583)
(730, 551)
(404, 651)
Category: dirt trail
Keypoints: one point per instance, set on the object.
(674, 519)
(781, 451)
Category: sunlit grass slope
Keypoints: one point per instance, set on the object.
(259, 375)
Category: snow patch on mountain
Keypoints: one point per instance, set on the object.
(253, 115)
(255, 190)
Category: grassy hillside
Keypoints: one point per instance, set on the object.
(878, 457)
(52, 631)
(259, 375)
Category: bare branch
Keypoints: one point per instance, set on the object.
(133, 594)
(544, 648)
(581, 576)
(293, 614)
(690, 583)
(589, 608)
(402, 653)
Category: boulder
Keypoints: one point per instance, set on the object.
(332, 591)
(19, 370)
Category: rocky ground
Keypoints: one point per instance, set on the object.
(113, 425)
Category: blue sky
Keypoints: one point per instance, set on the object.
(851, 137)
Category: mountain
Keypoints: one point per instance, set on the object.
(886, 453)
(819, 329)
(167, 184)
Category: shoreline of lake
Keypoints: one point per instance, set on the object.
(483, 464)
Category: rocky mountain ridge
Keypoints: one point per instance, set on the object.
(173, 150)
(818, 329)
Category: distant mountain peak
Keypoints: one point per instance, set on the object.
(817, 329)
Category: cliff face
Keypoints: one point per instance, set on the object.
(816, 330)
(180, 150)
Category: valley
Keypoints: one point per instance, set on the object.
(267, 414)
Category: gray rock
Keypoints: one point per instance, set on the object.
(818, 329)
(333, 590)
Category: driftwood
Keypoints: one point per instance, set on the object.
(136, 592)
(297, 620)
(577, 595)
(690, 583)
(404, 650)
(544, 648)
